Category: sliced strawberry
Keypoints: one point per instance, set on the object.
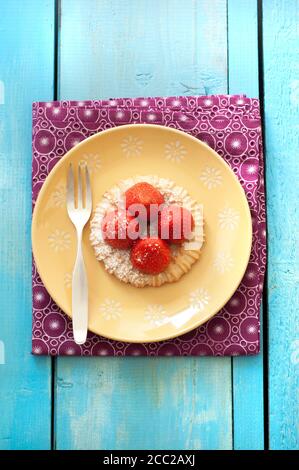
(144, 195)
(175, 224)
(150, 255)
(119, 229)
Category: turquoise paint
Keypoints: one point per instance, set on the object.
(140, 403)
(2, 352)
(26, 74)
(131, 403)
(243, 47)
(247, 371)
(281, 63)
(131, 51)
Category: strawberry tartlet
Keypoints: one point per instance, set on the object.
(143, 246)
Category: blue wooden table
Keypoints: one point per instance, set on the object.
(81, 49)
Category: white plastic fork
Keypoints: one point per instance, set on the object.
(79, 214)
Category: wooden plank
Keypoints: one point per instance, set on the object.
(281, 59)
(243, 61)
(26, 74)
(140, 403)
(143, 47)
(131, 403)
(247, 371)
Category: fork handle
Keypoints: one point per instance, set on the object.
(79, 295)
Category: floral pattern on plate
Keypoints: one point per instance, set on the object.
(211, 177)
(59, 240)
(175, 152)
(131, 146)
(110, 309)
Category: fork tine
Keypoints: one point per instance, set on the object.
(70, 198)
(80, 195)
(87, 190)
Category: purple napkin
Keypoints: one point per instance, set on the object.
(231, 125)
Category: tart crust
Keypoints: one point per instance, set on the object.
(118, 262)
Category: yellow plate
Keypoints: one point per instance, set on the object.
(120, 311)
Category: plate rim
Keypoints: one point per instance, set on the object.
(67, 155)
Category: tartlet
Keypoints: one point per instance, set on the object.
(117, 261)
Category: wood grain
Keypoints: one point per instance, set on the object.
(281, 65)
(140, 403)
(26, 74)
(248, 412)
(142, 47)
(166, 403)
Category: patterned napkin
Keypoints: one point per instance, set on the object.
(231, 125)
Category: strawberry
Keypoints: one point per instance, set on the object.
(143, 194)
(150, 255)
(119, 229)
(175, 224)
